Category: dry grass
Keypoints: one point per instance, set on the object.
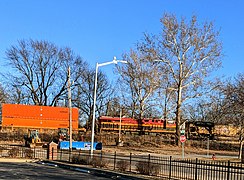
(174, 151)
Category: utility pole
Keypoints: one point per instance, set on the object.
(70, 111)
(120, 116)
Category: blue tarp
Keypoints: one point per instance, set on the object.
(80, 145)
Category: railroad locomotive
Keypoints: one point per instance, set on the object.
(125, 124)
(193, 129)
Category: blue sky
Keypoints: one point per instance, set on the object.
(97, 30)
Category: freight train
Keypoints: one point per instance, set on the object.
(125, 124)
(16, 117)
(41, 118)
(192, 130)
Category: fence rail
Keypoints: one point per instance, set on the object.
(168, 167)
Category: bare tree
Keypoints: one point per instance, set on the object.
(234, 103)
(208, 106)
(113, 107)
(189, 51)
(141, 79)
(3, 99)
(41, 71)
(166, 96)
(119, 101)
(84, 91)
(3, 95)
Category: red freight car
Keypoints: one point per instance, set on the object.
(107, 123)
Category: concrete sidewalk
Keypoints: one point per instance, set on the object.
(20, 160)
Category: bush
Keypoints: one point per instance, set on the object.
(85, 160)
(28, 153)
(1, 149)
(147, 169)
(142, 167)
(13, 152)
(155, 169)
(45, 137)
(123, 165)
(4, 136)
(98, 162)
(131, 143)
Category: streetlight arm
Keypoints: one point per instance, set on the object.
(115, 61)
(107, 63)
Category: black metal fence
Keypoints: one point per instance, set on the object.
(149, 165)
(170, 167)
(14, 151)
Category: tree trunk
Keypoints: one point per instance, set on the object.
(141, 117)
(178, 115)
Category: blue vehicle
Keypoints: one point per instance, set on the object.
(80, 145)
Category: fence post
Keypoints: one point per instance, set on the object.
(114, 159)
(22, 154)
(52, 152)
(34, 152)
(149, 168)
(228, 171)
(196, 170)
(170, 164)
(61, 152)
(69, 154)
(56, 154)
(130, 160)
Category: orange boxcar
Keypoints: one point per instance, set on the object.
(31, 116)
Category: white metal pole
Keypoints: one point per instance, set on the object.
(94, 111)
(115, 61)
(70, 111)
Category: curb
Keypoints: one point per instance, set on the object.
(93, 171)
